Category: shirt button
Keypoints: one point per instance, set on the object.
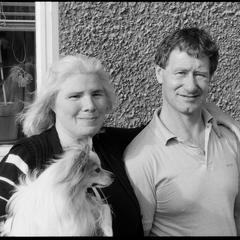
(202, 152)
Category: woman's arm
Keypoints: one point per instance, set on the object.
(12, 166)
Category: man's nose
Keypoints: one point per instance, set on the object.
(190, 83)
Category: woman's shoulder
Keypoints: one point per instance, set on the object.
(32, 140)
(26, 146)
(39, 147)
(116, 137)
(117, 132)
(48, 136)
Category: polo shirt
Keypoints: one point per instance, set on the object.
(184, 190)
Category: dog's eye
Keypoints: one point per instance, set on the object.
(97, 170)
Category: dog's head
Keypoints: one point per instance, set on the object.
(81, 167)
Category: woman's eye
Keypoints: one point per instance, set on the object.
(74, 96)
(180, 73)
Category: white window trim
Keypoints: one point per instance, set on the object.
(47, 45)
(47, 38)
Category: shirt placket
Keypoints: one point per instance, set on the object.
(208, 161)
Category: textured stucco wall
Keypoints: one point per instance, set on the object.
(124, 35)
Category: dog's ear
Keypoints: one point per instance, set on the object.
(83, 156)
(74, 161)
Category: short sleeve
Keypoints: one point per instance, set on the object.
(141, 176)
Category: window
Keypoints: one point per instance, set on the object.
(17, 64)
(17, 16)
(27, 31)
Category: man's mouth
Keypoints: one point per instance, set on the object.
(190, 96)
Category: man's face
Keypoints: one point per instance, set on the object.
(184, 82)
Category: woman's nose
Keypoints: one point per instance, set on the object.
(88, 104)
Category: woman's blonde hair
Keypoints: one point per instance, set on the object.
(38, 116)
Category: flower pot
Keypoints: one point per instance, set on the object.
(8, 127)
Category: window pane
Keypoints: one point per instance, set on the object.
(17, 16)
(17, 64)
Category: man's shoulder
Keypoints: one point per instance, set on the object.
(229, 138)
(143, 136)
(227, 132)
(140, 143)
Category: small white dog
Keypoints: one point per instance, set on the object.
(57, 202)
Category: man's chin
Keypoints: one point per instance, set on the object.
(191, 110)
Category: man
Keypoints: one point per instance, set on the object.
(184, 171)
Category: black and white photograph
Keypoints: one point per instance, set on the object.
(119, 119)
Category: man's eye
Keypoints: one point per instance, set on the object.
(201, 75)
(98, 94)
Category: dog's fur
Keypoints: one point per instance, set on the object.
(57, 202)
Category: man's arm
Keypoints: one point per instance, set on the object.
(234, 126)
(237, 201)
(141, 179)
(237, 213)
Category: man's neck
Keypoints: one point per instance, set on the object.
(189, 127)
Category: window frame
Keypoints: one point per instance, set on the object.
(47, 38)
(47, 45)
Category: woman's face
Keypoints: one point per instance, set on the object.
(80, 106)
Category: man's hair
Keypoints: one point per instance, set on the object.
(195, 42)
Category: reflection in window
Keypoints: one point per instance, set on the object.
(17, 64)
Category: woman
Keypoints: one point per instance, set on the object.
(70, 106)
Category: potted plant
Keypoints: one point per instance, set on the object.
(11, 101)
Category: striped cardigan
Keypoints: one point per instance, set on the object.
(36, 152)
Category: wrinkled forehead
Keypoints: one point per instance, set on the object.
(192, 49)
(181, 58)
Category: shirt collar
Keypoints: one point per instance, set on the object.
(209, 119)
(160, 130)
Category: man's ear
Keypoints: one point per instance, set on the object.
(159, 73)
